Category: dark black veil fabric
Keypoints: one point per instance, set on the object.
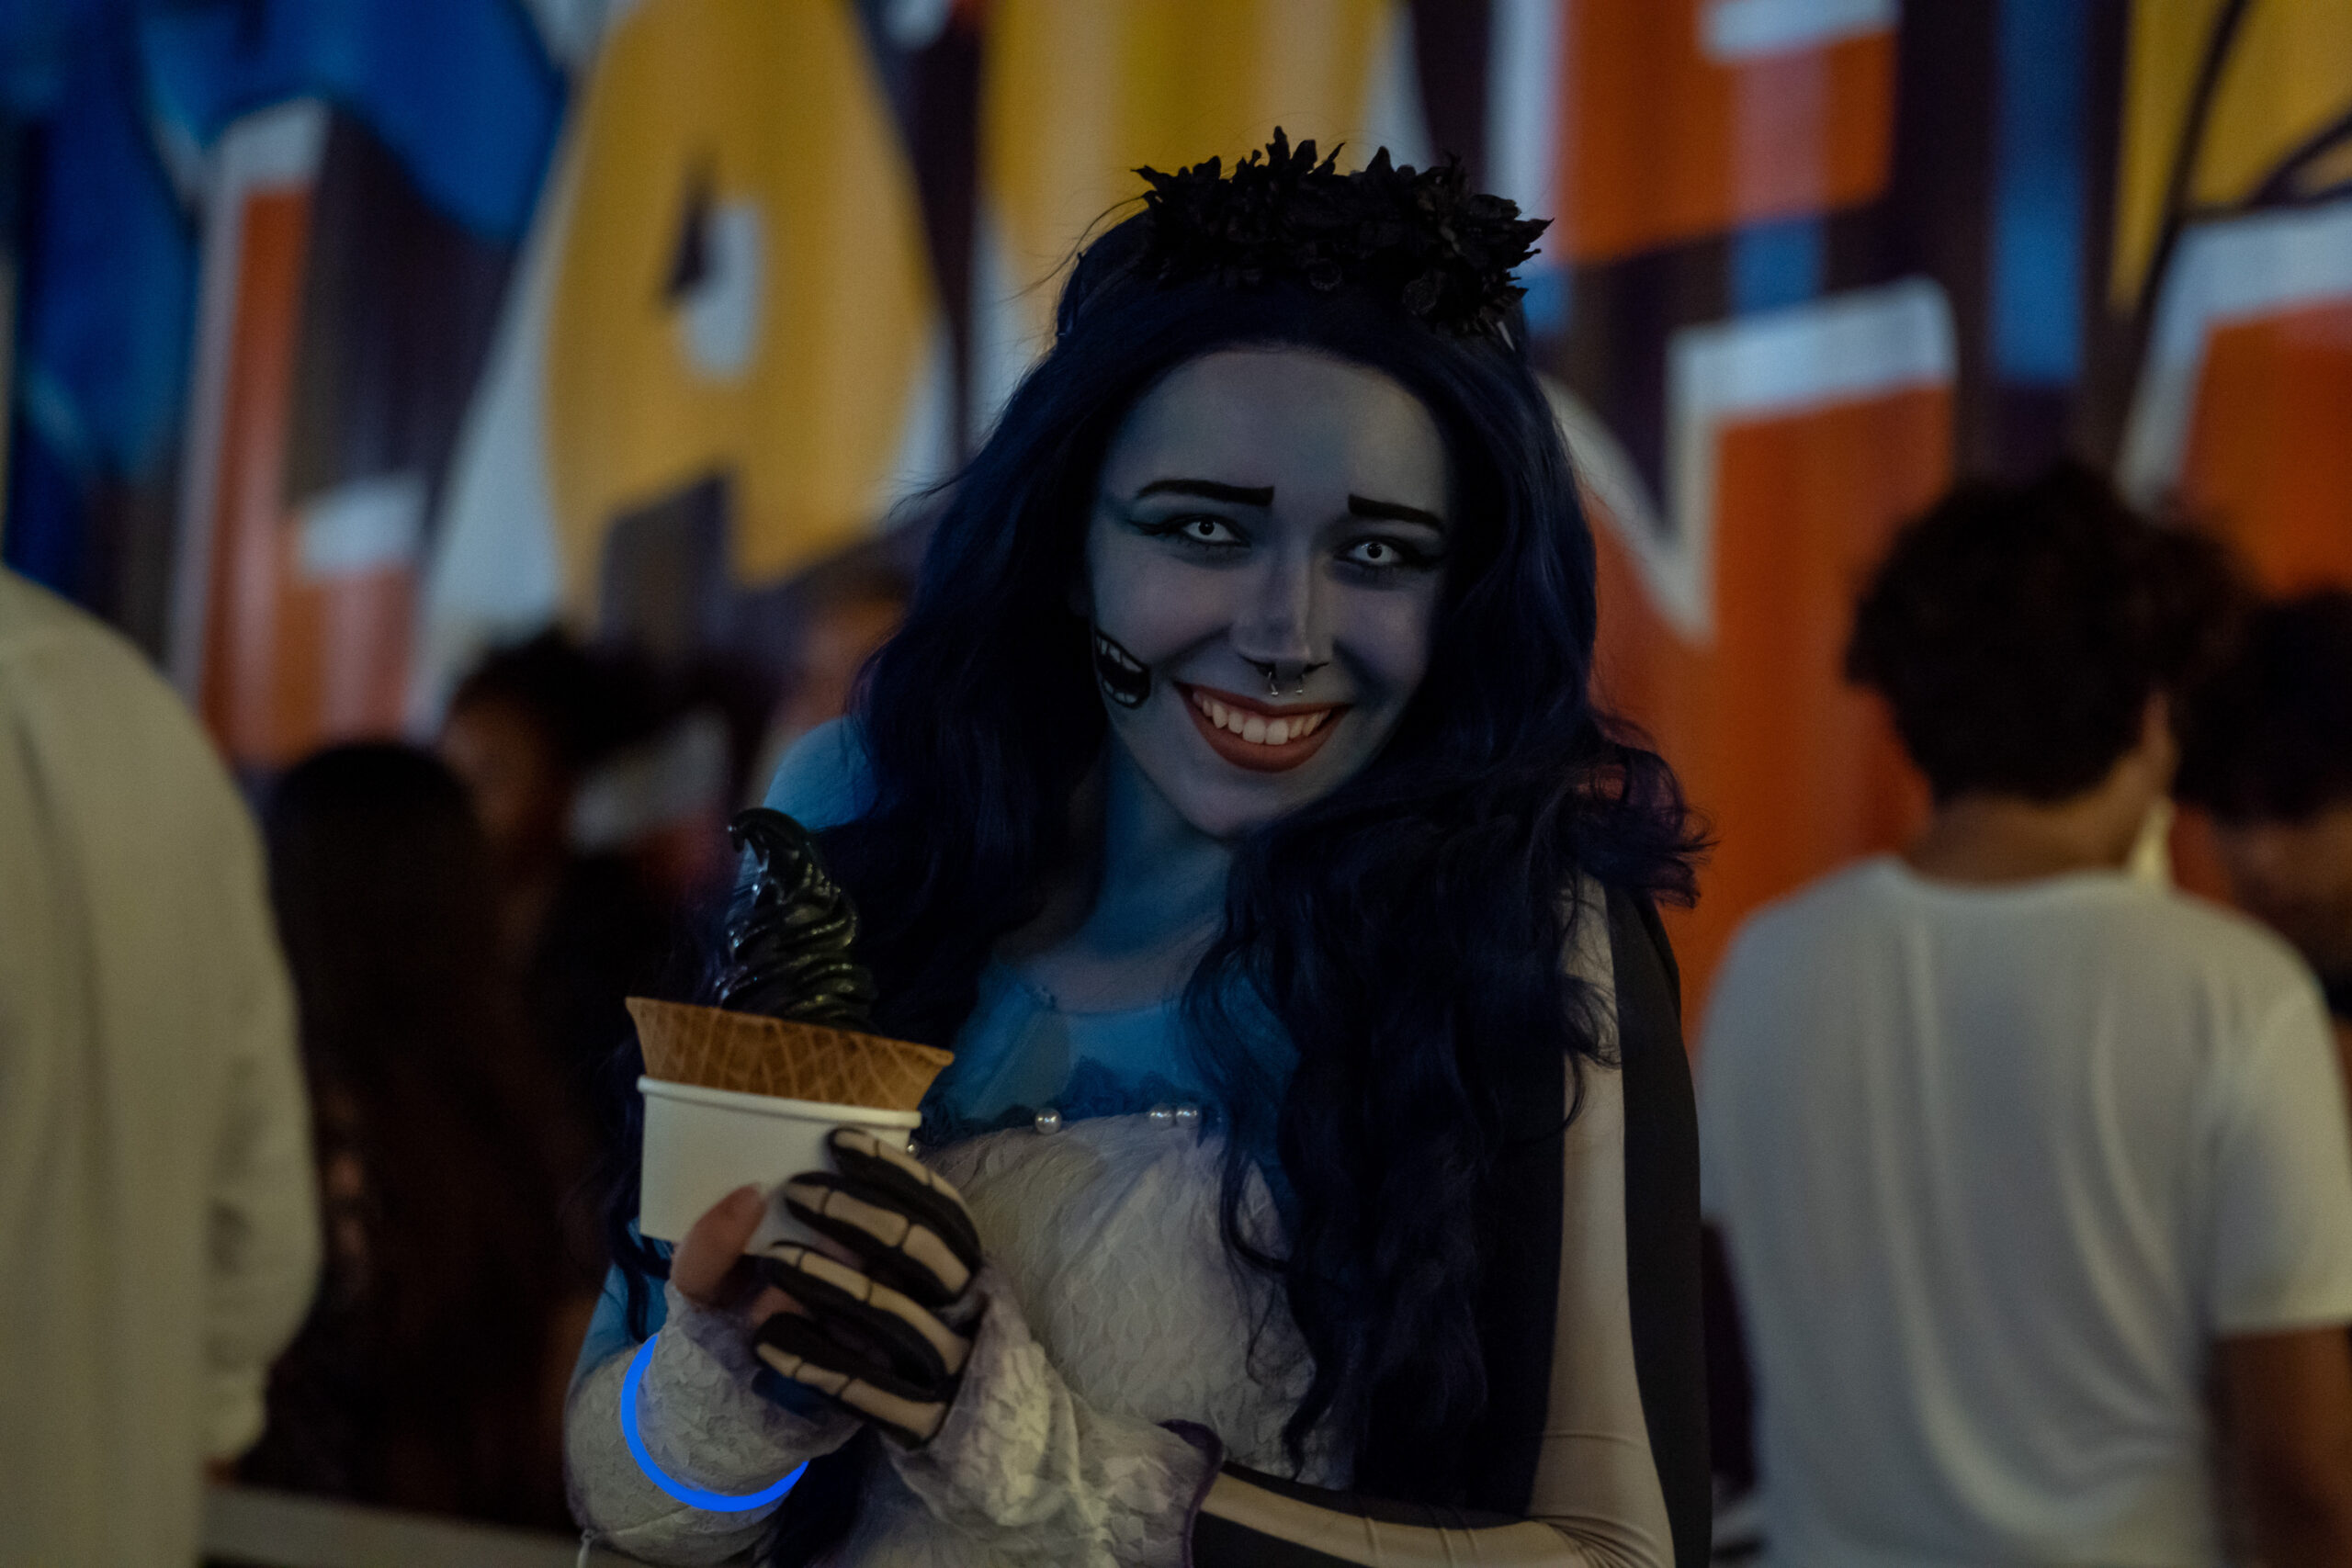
(1662, 1224)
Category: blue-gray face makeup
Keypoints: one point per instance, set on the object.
(1264, 564)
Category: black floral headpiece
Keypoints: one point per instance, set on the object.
(1424, 239)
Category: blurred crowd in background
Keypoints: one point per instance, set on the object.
(462, 923)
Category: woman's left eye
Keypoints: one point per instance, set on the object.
(1384, 554)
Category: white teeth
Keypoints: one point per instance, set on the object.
(1256, 727)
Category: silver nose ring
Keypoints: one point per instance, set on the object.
(1273, 683)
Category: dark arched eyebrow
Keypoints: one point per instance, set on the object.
(1209, 489)
(1394, 512)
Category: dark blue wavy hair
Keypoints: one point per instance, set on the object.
(1401, 928)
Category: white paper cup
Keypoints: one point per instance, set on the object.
(702, 1143)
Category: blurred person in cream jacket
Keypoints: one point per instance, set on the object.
(157, 1218)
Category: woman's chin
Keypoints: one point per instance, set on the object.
(1226, 801)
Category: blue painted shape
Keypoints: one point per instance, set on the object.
(460, 89)
(35, 41)
(47, 538)
(2036, 292)
(1777, 263)
(107, 282)
(109, 269)
(693, 1496)
(1547, 305)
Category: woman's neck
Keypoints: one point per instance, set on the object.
(1131, 922)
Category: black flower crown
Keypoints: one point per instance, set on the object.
(1426, 240)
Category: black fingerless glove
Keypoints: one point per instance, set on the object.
(885, 1339)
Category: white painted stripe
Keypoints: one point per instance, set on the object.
(1004, 339)
(1523, 89)
(1393, 116)
(718, 321)
(1836, 349)
(1864, 345)
(495, 575)
(367, 525)
(2222, 272)
(1619, 501)
(1733, 30)
(926, 453)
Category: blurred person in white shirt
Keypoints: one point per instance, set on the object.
(156, 1203)
(2019, 1160)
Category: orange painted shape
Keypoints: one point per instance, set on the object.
(1796, 772)
(242, 687)
(366, 622)
(289, 665)
(1670, 145)
(2269, 452)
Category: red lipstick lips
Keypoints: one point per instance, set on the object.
(1308, 727)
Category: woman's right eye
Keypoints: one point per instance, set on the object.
(1197, 529)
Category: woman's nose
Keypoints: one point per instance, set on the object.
(1280, 624)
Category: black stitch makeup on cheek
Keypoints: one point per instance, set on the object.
(1122, 676)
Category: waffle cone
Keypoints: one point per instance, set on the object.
(752, 1054)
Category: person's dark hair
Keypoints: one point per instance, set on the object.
(424, 1358)
(2273, 736)
(584, 701)
(2018, 630)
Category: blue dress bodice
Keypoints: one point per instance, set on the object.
(1020, 1053)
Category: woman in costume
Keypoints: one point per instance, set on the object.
(1314, 1181)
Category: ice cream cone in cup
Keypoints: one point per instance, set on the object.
(750, 1053)
(735, 1098)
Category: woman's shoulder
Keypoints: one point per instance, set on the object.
(825, 778)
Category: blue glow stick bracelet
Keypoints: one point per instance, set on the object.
(718, 1502)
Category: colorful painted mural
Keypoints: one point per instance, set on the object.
(453, 318)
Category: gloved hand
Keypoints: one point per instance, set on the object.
(885, 1338)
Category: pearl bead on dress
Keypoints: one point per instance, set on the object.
(1049, 1120)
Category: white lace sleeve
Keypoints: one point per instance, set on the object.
(1034, 1476)
(702, 1425)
